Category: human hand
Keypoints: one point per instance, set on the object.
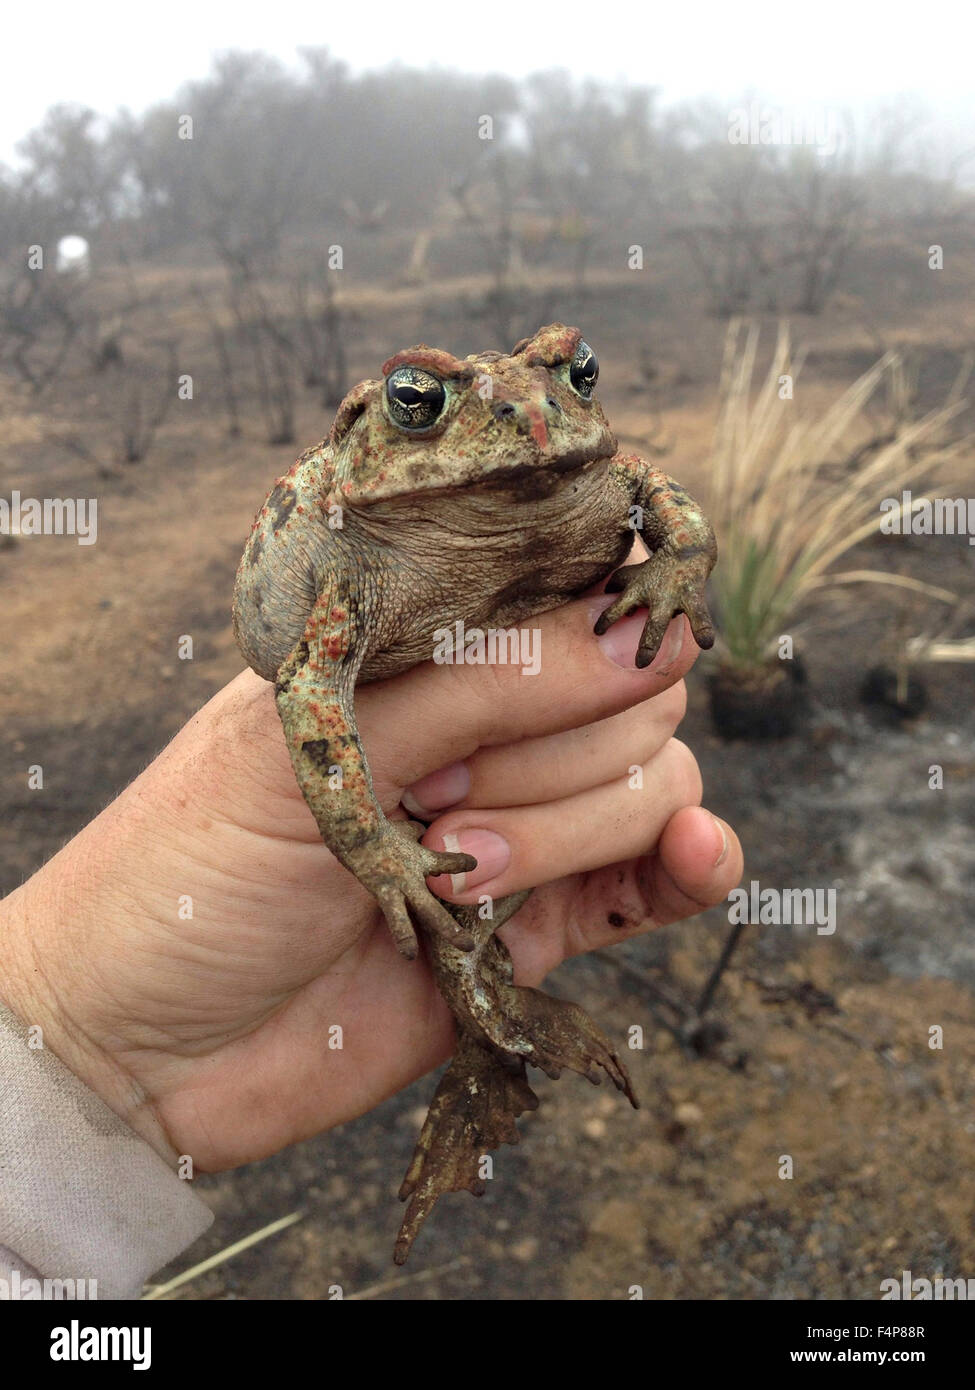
(209, 1033)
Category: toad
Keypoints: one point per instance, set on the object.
(455, 495)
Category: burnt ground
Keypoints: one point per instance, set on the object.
(819, 1044)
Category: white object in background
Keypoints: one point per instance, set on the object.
(74, 257)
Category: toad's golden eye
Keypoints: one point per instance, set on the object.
(414, 398)
(584, 370)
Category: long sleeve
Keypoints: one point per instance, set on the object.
(81, 1195)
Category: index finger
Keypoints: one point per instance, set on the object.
(436, 714)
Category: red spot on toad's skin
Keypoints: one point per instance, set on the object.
(539, 431)
(338, 614)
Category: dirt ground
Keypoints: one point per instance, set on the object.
(818, 1045)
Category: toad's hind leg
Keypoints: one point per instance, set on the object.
(501, 1028)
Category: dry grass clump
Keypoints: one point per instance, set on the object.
(794, 489)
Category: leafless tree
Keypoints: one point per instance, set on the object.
(727, 234)
(822, 222)
(223, 346)
(143, 397)
(321, 322)
(265, 329)
(39, 321)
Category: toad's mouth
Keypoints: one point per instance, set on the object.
(546, 472)
(537, 476)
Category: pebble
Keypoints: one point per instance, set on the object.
(524, 1250)
(688, 1113)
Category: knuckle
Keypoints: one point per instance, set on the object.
(687, 783)
(670, 706)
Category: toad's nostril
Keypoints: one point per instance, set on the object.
(504, 411)
(553, 404)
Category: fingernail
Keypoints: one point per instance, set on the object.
(621, 641)
(671, 647)
(437, 790)
(723, 855)
(492, 852)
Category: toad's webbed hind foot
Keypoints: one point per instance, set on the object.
(474, 1110)
(501, 1027)
(560, 1034)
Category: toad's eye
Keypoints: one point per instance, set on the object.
(584, 370)
(415, 398)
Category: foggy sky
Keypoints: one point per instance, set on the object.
(113, 53)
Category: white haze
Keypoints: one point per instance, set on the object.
(849, 53)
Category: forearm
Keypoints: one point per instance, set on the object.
(665, 512)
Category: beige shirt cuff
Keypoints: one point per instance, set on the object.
(81, 1195)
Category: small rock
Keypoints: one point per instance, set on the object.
(620, 1221)
(524, 1250)
(688, 1113)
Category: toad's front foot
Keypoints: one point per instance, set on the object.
(394, 867)
(670, 582)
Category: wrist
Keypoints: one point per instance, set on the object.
(46, 980)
